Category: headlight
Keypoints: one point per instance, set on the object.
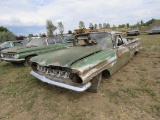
(16, 56)
(2, 55)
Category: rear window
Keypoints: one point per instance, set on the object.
(59, 40)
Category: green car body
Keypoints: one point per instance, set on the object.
(33, 48)
(81, 67)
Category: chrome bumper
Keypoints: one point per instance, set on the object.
(13, 59)
(60, 84)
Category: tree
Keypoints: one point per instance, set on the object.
(7, 36)
(91, 26)
(95, 26)
(30, 35)
(69, 32)
(100, 26)
(3, 29)
(114, 27)
(61, 28)
(127, 25)
(81, 25)
(50, 28)
(107, 25)
(104, 25)
(43, 35)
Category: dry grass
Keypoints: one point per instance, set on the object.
(133, 93)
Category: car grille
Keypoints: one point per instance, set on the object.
(53, 72)
(5, 55)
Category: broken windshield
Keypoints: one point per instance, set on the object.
(102, 40)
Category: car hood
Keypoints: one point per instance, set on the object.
(17, 49)
(65, 57)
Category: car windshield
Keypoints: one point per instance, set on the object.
(5, 44)
(103, 40)
(156, 28)
(37, 42)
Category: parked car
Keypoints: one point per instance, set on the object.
(154, 30)
(33, 48)
(133, 31)
(93, 55)
(10, 44)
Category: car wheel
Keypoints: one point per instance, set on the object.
(27, 61)
(95, 83)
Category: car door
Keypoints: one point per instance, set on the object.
(122, 51)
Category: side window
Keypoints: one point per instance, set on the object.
(51, 41)
(119, 41)
(17, 44)
(59, 40)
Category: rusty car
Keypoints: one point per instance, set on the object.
(133, 31)
(10, 44)
(93, 56)
(154, 30)
(22, 54)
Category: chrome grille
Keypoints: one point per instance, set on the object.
(6, 55)
(53, 72)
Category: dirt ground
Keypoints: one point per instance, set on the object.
(133, 93)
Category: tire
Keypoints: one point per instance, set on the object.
(27, 61)
(95, 83)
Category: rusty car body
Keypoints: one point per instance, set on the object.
(33, 48)
(82, 66)
(10, 44)
(133, 31)
(154, 30)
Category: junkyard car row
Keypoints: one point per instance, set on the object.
(78, 66)
(33, 48)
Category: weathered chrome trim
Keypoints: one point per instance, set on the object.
(13, 59)
(60, 84)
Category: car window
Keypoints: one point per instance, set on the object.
(59, 40)
(119, 41)
(51, 41)
(17, 44)
(102, 40)
(5, 44)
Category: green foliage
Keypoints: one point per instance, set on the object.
(95, 26)
(69, 32)
(7, 36)
(106, 26)
(50, 28)
(3, 29)
(61, 28)
(100, 26)
(81, 25)
(30, 35)
(127, 25)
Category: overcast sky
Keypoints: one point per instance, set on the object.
(29, 16)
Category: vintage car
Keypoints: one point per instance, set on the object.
(9, 44)
(82, 66)
(33, 48)
(154, 30)
(133, 31)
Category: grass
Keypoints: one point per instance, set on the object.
(132, 93)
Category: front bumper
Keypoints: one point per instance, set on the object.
(60, 84)
(13, 59)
